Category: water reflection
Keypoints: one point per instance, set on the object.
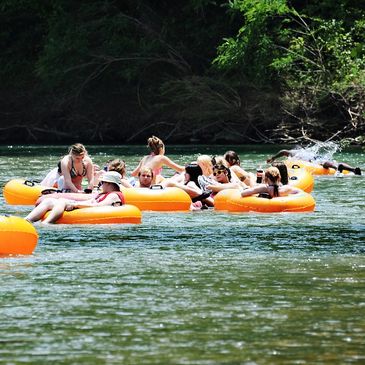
(189, 288)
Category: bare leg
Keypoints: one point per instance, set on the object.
(57, 211)
(341, 167)
(329, 164)
(344, 166)
(39, 211)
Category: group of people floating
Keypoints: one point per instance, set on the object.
(201, 179)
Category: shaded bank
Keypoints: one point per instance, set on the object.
(196, 71)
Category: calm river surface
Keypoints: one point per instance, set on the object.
(189, 288)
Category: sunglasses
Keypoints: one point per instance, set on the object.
(146, 175)
(218, 172)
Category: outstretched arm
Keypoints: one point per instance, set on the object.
(191, 188)
(138, 168)
(281, 153)
(255, 190)
(219, 187)
(169, 163)
(89, 172)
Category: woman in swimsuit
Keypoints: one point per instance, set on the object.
(110, 195)
(222, 180)
(156, 160)
(74, 167)
(271, 186)
(234, 164)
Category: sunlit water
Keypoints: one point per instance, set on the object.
(189, 288)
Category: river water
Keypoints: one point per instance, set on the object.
(189, 288)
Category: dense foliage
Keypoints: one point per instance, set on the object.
(197, 70)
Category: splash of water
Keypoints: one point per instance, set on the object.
(318, 151)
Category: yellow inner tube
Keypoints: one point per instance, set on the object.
(22, 192)
(302, 179)
(17, 236)
(102, 215)
(168, 199)
(313, 168)
(231, 200)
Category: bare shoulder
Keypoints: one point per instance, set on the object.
(146, 160)
(65, 161)
(163, 158)
(87, 161)
(287, 189)
(236, 169)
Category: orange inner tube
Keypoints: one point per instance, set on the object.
(17, 236)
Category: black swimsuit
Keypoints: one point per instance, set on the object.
(73, 172)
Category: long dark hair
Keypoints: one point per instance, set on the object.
(194, 172)
(273, 174)
(232, 158)
(283, 171)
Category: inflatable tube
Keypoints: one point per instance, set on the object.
(313, 168)
(102, 215)
(302, 179)
(231, 200)
(168, 199)
(22, 192)
(17, 236)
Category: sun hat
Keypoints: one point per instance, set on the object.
(112, 177)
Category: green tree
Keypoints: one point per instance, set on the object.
(316, 62)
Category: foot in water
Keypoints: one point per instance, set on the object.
(357, 171)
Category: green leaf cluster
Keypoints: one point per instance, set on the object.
(315, 58)
(185, 64)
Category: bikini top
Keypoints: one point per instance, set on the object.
(157, 171)
(73, 171)
(276, 189)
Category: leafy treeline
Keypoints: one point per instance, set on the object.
(194, 70)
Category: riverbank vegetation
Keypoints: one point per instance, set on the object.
(189, 71)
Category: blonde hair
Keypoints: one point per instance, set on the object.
(77, 149)
(144, 170)
(273, 174)
(205, 163)
(118, 166)
(155, 144)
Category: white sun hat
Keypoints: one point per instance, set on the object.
(112, 177)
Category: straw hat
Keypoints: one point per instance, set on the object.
(112, 177)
